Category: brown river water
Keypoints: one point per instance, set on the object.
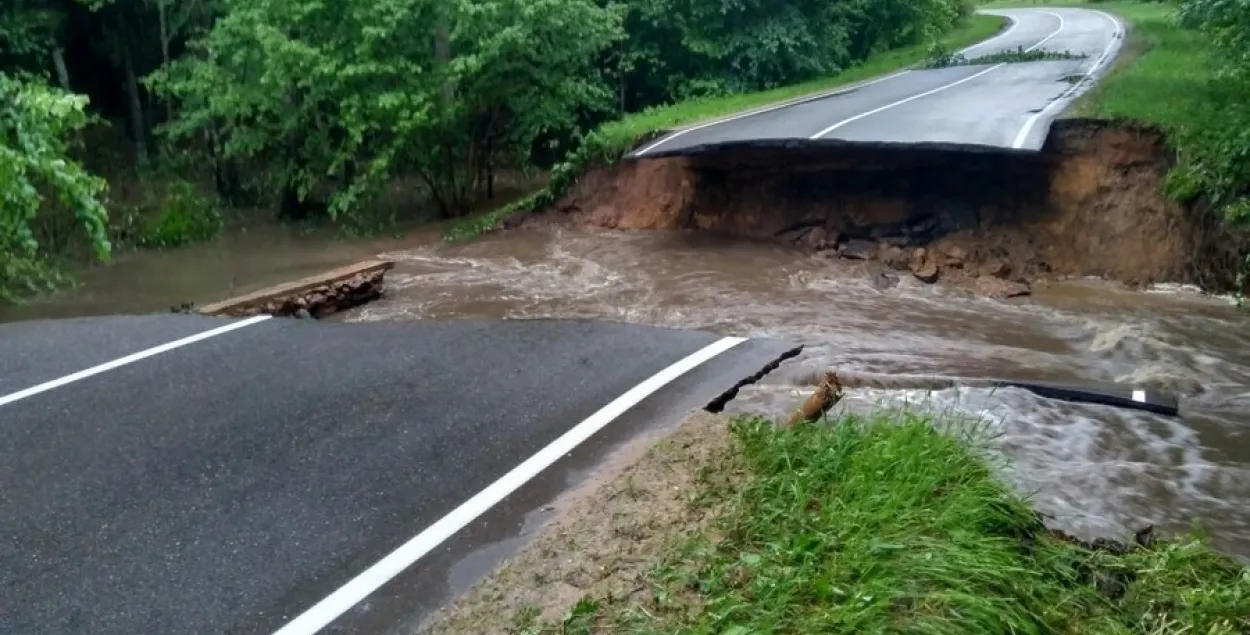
(1097, 470)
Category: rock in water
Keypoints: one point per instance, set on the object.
(1001, 289)
(996, 269)
(858, 250)
(925, 271)
(894, 256)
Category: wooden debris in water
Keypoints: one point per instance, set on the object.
(827, 394)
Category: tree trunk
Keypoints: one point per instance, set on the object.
(442, 53)
(160, 7)
(134, 103)
(62, 73)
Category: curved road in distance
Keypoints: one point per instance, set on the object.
(1007, 105)
(172, 474)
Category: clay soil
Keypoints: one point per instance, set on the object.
(604, 541)
(1091, 203)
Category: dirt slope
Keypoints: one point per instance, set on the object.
(1089, 204)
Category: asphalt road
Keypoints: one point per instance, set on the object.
(234, 483)
(1007, 105)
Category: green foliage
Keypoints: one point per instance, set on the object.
(37, 125)
(186, 217)
(597, 148)
(346, 95)
(890, 524)
(1221, 147)
(940, 58)
(171, 214)
(691, 49)
(28, 30)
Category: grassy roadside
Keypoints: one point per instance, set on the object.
(1161, 75)
(613, 139)
(890, 525)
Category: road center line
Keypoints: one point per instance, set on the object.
(768, 109)
(1063, 97)
(129, 359)
(939, 88)
(810, 98)
(358, 588)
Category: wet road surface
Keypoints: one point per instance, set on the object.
(231, 484)
(1007, 105)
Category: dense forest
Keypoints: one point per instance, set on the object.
(312, 109)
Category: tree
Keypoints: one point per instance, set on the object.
(36, 126)
(1219, 150)
(31, 38)
(342, 96)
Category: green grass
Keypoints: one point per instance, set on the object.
(889, 525)
(1163, 75)
(614, 138)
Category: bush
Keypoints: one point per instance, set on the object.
(180, 216)
(38, 127)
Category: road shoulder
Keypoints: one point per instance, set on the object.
(603, 538)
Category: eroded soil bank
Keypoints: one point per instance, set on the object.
(1091, 203)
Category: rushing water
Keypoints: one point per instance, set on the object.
(1096, 469)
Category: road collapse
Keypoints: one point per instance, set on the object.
(1090, 203)
(312, 297)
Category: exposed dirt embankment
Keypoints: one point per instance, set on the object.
(1090, 203)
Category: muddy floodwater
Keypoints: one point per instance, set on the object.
(1096, 469)
(243, 261)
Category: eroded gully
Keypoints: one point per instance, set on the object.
(1097, 470)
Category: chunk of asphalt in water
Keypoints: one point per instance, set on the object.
(1103, 394)
(858, 250)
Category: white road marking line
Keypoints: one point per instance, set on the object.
(811, 98)
(760, 111)
(1139, 396)
(129, 359)
(1011, 27)
(939, 88)
(1066, 95)
(371, 579)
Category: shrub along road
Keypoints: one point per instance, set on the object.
(1002, 104)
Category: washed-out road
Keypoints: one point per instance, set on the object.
(187, 475)
(1007, 105)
